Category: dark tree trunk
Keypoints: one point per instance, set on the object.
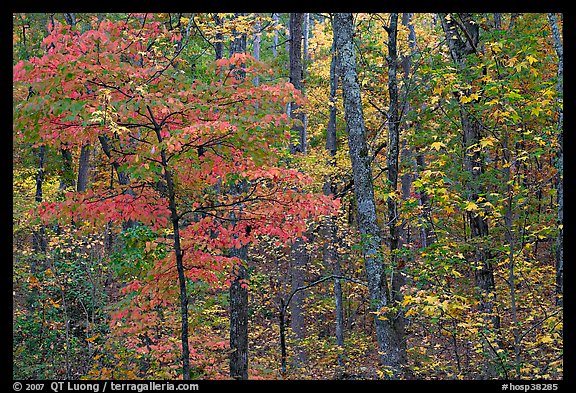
(299, 254)
(393, 169)
(389, 346)
(557, 40)
(462, 41)
(219, 44)
(67, 178)
(83, 169)
(238, 288)
(331, 140)
(239, 317)
(179, 254)
(330, 255)
(275, 46)
(38, 236)
(296, 77)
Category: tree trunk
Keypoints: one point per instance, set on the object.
(330, 255)
(396, 263)
(239, 316)
(219, 44)
(388, 343)
(559, 160)
(296, 77)
(238, 288)
(67, 178)
(256, 49)
(275, 46)
(299, 257)
(38, 236)
(461, 45)
(299, 254)
(175, 220)
(83, 169)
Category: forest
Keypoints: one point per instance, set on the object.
(287, 196)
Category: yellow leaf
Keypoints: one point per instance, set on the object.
(91, 339)
(471, 206)
(407, 300)
(545, 339)
(531, 59)
(437, 145)
(488, 141)
(472, 97)
(431, 299)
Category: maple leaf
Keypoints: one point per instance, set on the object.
(437, 145)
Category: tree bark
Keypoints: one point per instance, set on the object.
(462, 42)
(299, 254)
(175, 220)
(330, 254)
(559, 159)
(38, 236)
(67, 178)
(299, 258)
(238, 288)
(388, 343)
(296, 77)
(398, 322)
(256, 49)
(275, 46)
(219, 44)
(83, 168)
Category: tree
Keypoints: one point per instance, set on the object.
(173, 217)
(364, 194)
(560, 158)
(239, 287)
(154, 130)
(462, 39)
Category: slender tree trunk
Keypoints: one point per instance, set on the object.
(388, 343)
(557, 39)
(330, 254)
(299, 254)
(463, 43)
(179, 254)
(83, 169)
(509, 237)
(398, 280)
(306, 33)
(219, 42)
(299, 258)
(275, 46)
(256, 48)
(239, 313)
(84, 160)
(38, 236)
(67, 178)
(296, 77)
(238, 287)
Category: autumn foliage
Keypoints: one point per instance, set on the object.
(186, 148)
